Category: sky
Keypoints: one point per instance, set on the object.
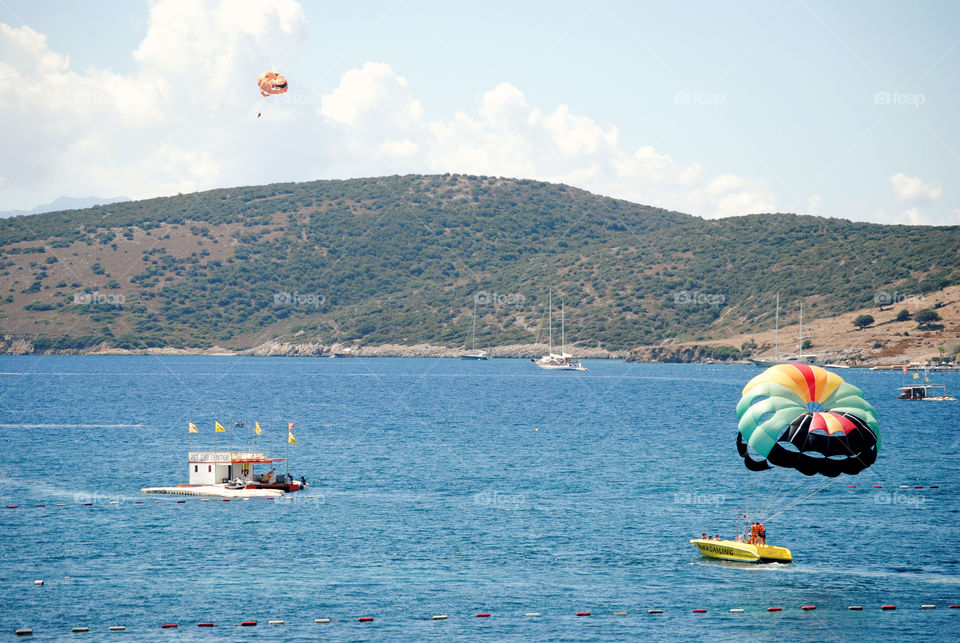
(843, 109)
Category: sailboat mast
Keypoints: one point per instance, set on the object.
(776, 328)
(562, 329)
(800, 345)
(474, 324)
(550, 318)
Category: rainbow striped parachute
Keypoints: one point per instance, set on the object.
(806, 418)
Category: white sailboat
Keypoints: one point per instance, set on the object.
(561, 361)
(795, 358)
(474, 354)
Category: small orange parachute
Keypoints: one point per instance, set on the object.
(271, 83)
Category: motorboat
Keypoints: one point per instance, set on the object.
(743, 552)
(743, 549)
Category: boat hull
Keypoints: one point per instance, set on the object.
(565, 367)
(214, 490)
(742, 552)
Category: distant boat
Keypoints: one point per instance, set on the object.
(926, 391)
(561, 361)
(797, 358)
(346, 352)
(474, 354)
(230, 474)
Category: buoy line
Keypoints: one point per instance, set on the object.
(887, 607)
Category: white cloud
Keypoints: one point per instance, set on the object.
(158, 130)
(507, 136)
(185, 119)
(372, 97)
(911, 189)
(914, 217)
(815, 204)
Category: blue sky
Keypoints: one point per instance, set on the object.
(839, 109)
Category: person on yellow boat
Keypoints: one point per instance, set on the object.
(761, 534)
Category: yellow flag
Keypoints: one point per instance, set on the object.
(192, 427)
(926, 379)
(219, 427)
(256, 428)
(916, 376)
(290, 438)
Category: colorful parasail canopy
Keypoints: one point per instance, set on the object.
(271, 82)
(806, 418)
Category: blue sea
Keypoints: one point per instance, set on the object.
(447, 487)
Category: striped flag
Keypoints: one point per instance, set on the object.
(256, 428)
(290, 438)
(219, 427)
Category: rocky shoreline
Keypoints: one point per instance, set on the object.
(669, 352)
(276, 348)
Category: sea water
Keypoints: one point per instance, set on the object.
(457, 487)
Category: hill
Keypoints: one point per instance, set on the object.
(402, 259)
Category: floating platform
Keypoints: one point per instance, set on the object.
(215, 490)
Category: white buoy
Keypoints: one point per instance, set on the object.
(81, 629)
(532, 614)
(38, 582)
(440, 617)
(25, 632)
(654, 611)
(275, 622)
(321, 620)
(737, 610)
(928, 607)
(620, 613)
(117, 628)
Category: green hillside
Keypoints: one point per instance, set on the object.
(402, 259)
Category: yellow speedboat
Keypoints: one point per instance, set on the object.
(741, 551)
